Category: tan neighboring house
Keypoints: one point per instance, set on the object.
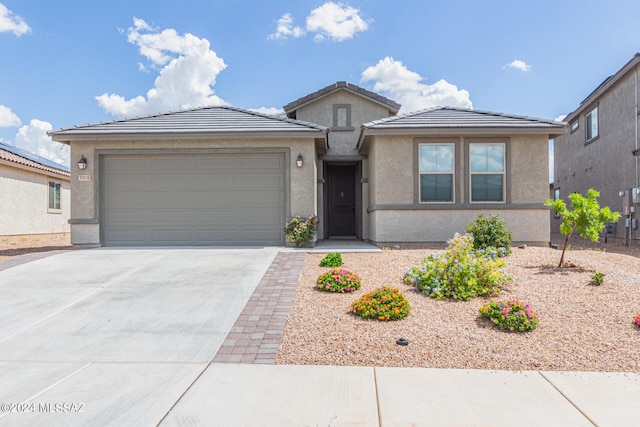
(35, 193)
(227, 176)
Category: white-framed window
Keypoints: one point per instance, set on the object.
(437, 172)
(591, 119)
(54, 196)
(574, 125)
(487, 172)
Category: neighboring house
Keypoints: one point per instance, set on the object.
(35, 193)
(598, 150)
(227, 176)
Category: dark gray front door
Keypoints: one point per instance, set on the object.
(341, 200)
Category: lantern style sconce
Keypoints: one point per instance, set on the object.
(82, 163)
(299, 160)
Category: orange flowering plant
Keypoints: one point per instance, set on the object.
(338, 280)
(385, 303)
(510, 314)
(636, 319)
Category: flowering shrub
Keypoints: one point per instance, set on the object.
(301, 232)
(512, 314)
(332, 259)
(382, 304)
(338, 280)
(636, 319)
(490, 232)
(461, 272)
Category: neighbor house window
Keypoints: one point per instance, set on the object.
(436, 172)
(54, 196)
(592, 124)
(556, 196)
(487, 167)
(574, 125)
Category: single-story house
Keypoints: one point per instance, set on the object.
(227, 176)
(35, 193)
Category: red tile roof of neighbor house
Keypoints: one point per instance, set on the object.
(22, 157)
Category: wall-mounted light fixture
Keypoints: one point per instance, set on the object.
(82, 163)
(299, 160)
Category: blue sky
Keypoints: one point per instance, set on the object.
(73, 62)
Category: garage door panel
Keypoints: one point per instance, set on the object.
(193, 199)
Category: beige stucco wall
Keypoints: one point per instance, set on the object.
(395, 214)
(363, 110)
(25, 202)
(85, 227)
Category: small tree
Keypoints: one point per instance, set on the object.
(586, 218)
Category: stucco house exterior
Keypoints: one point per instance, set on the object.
(35, 193)
(602, 145)
(227, 176)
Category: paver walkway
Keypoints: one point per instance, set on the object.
(255, 336)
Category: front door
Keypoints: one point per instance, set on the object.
(341, 200)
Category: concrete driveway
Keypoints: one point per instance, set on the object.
(116, 336)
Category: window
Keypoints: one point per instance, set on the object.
(54, 196)
(556, 196)
(592, 124)
(487, 172)
(574, 125)
(436, 172)
(342, 117)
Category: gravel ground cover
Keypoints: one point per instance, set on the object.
(11, 246)
(582, 327)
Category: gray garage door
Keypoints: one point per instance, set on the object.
(184, 200)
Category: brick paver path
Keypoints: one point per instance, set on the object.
(255, 337)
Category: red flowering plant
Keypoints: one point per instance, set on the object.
(338, 280)
(510, 314)
(636, 319)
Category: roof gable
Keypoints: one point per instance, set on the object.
(23, 157)
(374, 97)
(199, 122)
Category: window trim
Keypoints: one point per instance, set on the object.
(57, 191)
(503, 174)
(336, 108)
(452, 173)
(588, 119)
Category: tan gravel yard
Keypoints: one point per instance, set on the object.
(581, 327)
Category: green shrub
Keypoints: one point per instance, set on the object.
(385, 303)
(597, 278)
(338, 280)
(460, 272)
(513, 315)
(332, 259)
(490, 232)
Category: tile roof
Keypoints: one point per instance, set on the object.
(205, 121)
(22, 157)
(292, 106)
(451, 117)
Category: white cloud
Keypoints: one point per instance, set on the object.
(560, 118)
(406, 87)
(33, 137)
(188, 71)
(286, 29)
(517, 64)
(337, 21)
(8, 118)
(270, 111)
(12, 23)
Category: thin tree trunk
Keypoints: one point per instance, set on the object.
(564, 248)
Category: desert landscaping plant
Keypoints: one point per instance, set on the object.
(512, 315)
(384, 303)
(461, 272)
(490, 232)
(586, 218)
(332, 259)
(338, 280)
(301, 232)
(597, 278)
(636, 319)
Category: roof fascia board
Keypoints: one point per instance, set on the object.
(348, 89)
(588, 102)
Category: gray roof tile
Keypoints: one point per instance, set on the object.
(199, 121)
